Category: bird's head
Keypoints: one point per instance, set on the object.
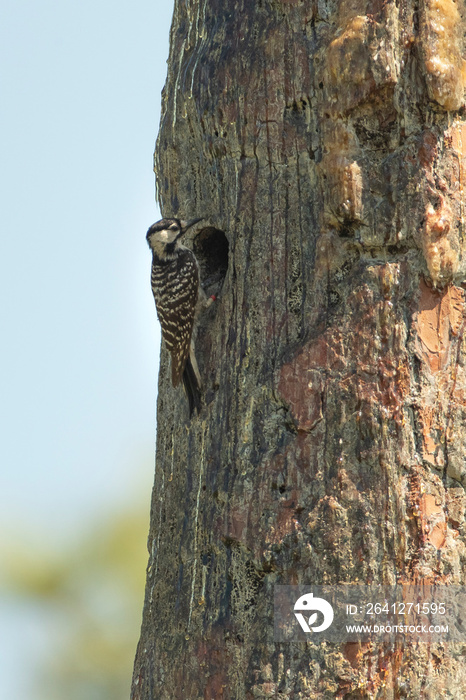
(164, 235)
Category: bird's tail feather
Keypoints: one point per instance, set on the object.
(191, 387)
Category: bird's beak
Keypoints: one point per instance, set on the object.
(187, 224)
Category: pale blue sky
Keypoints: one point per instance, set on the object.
(80, 88)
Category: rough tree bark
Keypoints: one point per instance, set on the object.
(327, 141)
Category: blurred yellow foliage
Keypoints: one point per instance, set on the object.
(92, 596)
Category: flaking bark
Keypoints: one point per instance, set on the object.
(328, 141)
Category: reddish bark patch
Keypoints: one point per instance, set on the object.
(238, 521)
(438, 317)
(353, 652)
(437, 535)
(437, 322)
(301, 383)
(433, 520)
(214, 655)
(428, 149)
(429, 505)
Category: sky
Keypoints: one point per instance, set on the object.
(80, 87)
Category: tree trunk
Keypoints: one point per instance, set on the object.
(327, 141)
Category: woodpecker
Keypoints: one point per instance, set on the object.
(176, 290)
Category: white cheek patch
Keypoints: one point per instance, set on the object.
(167, 236)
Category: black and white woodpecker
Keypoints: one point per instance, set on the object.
(178, 297)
